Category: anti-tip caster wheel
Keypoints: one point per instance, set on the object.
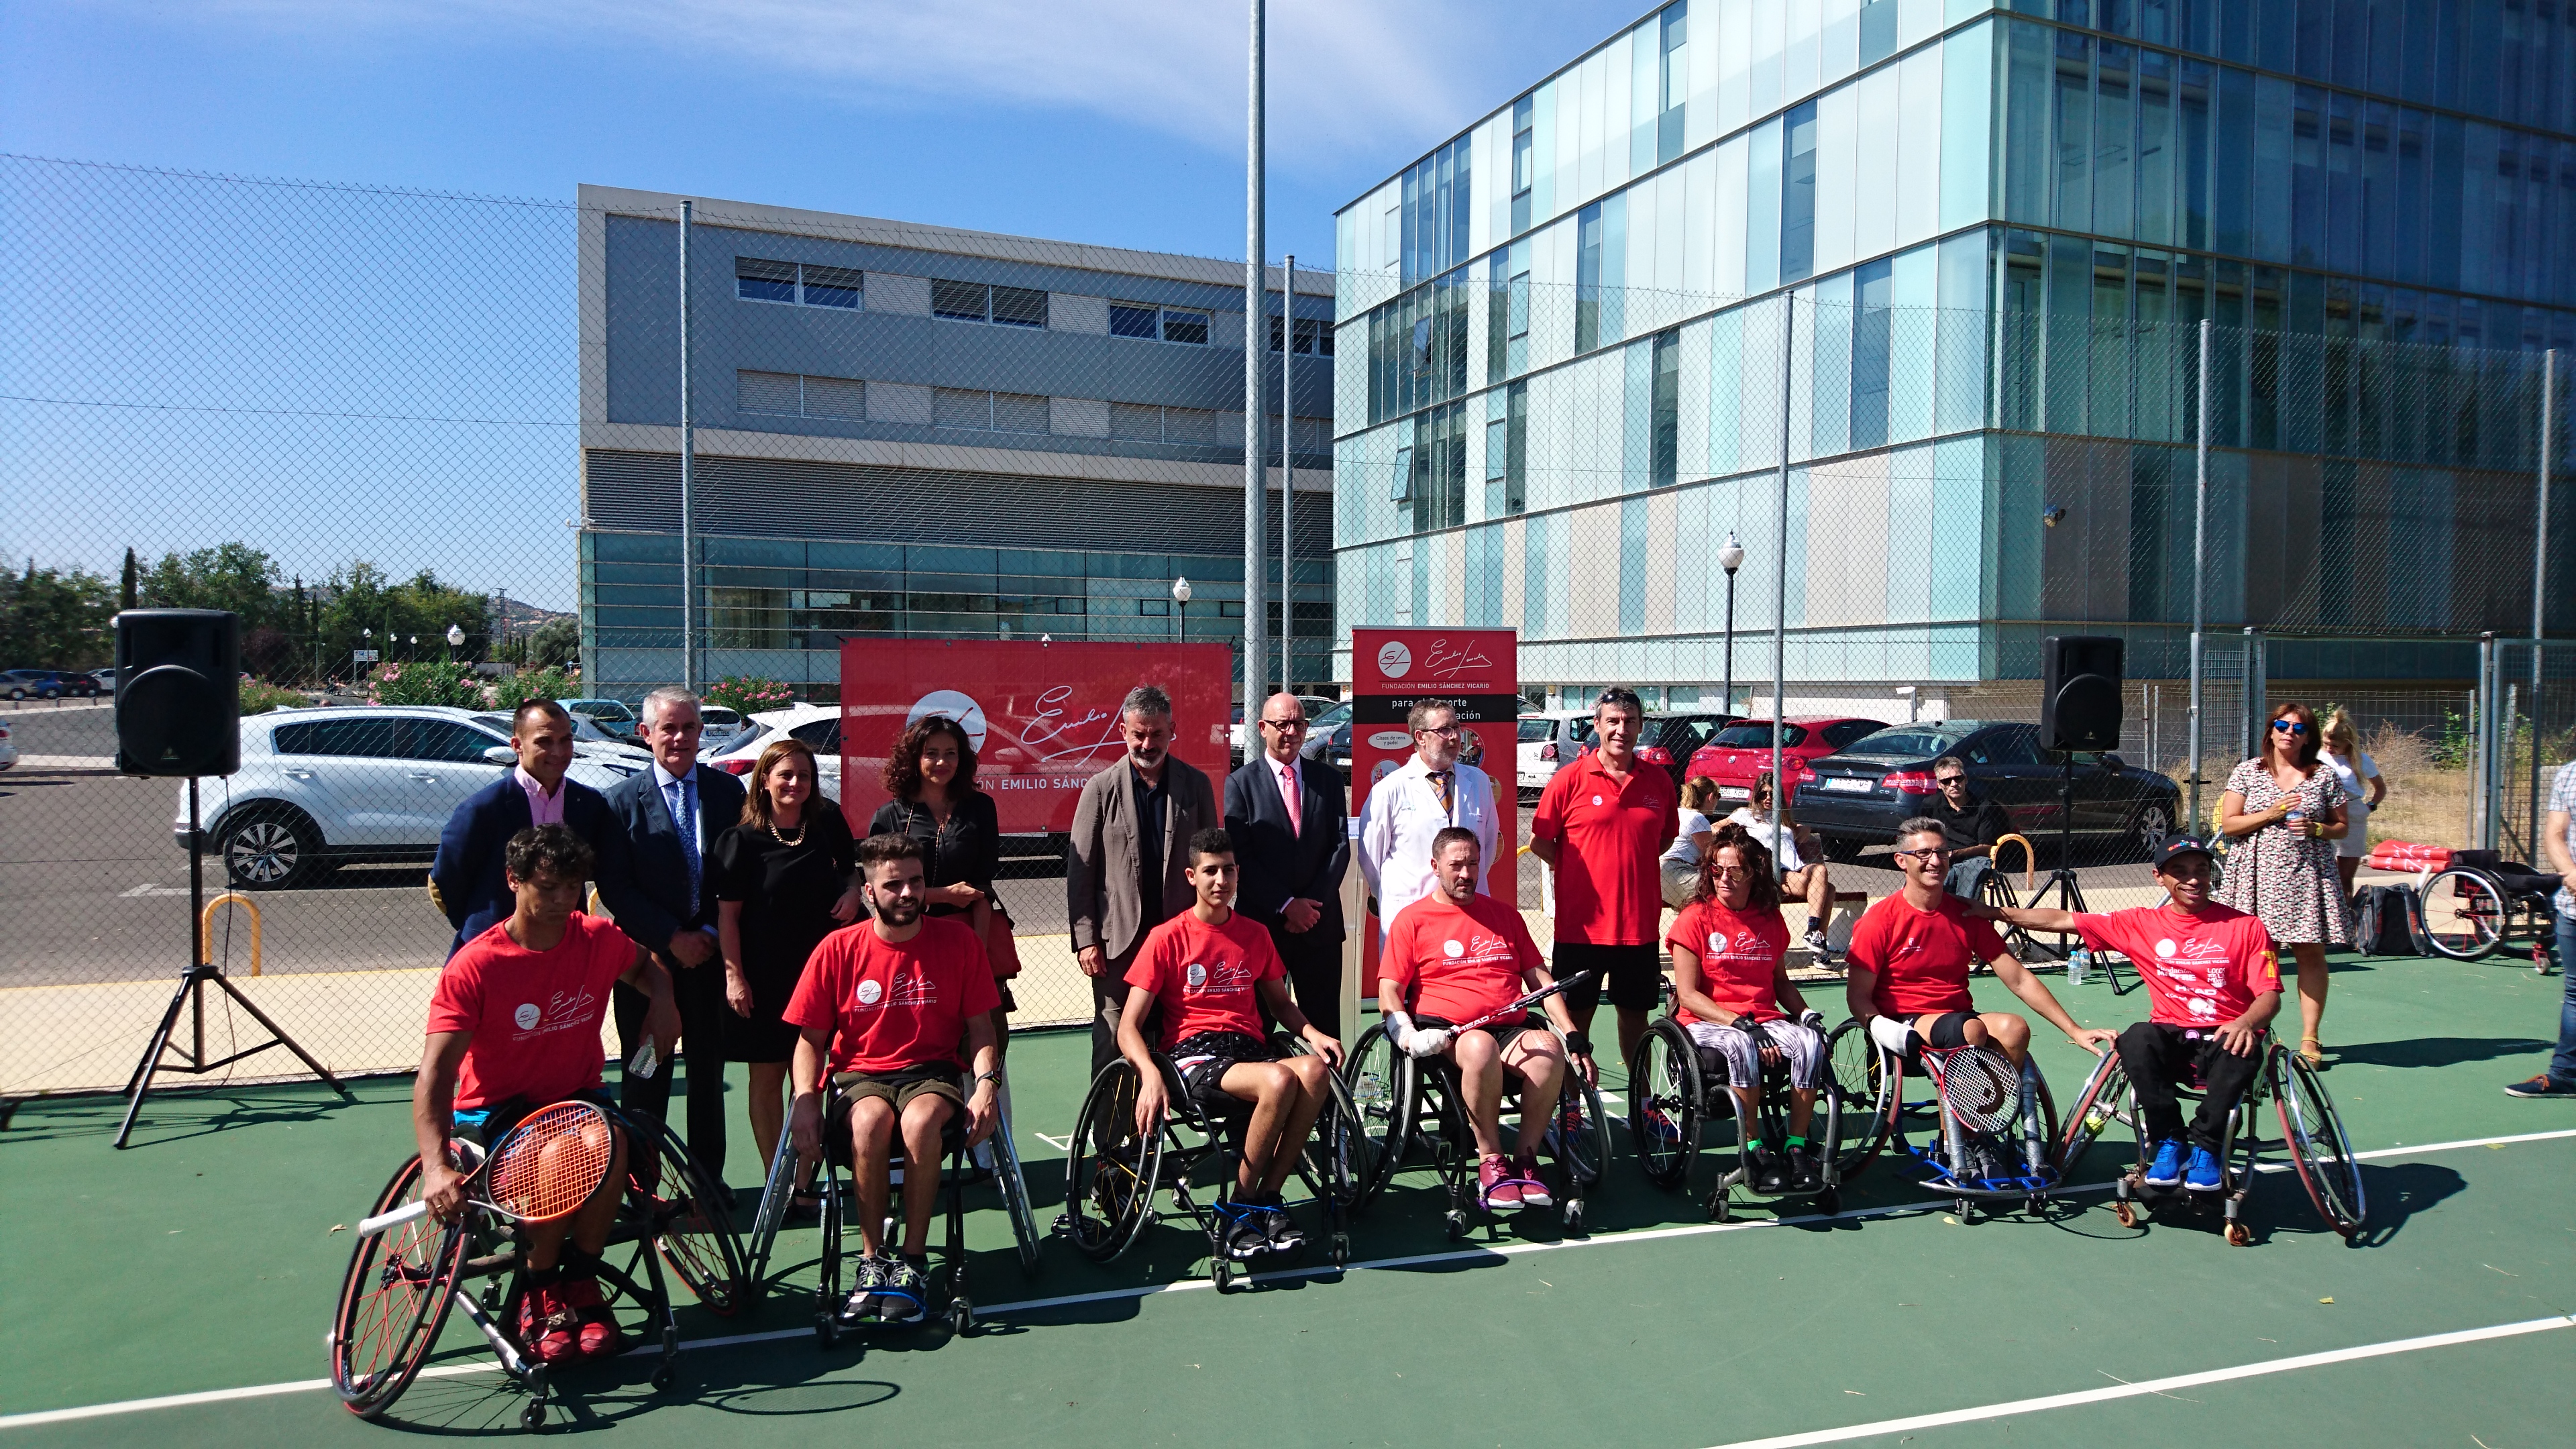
(1224, 1275)
(663, 1377)
(1829, 1203)
(1721, 1207)
(1455, 1224)
(2238, 1234)
(961, 1316)
(1573, 1213)
(1340, 1249)
(533, 1417)
(2126, 1212)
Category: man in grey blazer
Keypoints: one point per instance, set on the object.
(1123, 867)
(1291, 838)
(671, 815)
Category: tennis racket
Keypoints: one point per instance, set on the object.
(1979, 1085)
(1523, 1004)
(545, 1168)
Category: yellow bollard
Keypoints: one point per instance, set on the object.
(206, 922)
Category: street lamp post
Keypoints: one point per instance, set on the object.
(455, 640)
(1181, 596)
(1730, 557)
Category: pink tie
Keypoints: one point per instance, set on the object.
(1288, 792)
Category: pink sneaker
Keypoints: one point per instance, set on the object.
(1534, 1192)
(1497, 1191)
(545, 1326)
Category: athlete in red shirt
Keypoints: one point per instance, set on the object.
(1733, 994)
(885, 1004)
(1212, 972)
(2213, 984)
(1910, 958)
(1455, 956)
(514, 1026)
(1602, 825)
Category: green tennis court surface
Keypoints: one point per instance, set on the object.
(203, 1262)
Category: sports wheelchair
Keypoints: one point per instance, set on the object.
(2311, 1133)
(1993, 1127)
(1415, 1118)
(2484, 901)
(1111, 1171)
(401, 1283)
(839, 1198)
(1676, 1087)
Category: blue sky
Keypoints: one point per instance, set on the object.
(333, 375)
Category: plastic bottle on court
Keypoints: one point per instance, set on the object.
(2079, 965)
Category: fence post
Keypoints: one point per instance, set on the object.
(2540, 587)
(688, 482)
(2486, 774)
(1256, 459)
(2199, 562)
(2473, 744)
(1287, 485)
(1780, 791)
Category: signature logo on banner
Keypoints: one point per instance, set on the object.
(1058, 729)
(1394, 661)
(1444, 660)
(956, 705)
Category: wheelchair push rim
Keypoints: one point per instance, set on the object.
(1664, 1096)
(1121, 1181)
(393, 1301)
(2319, 1151)
(1377, 1081)
(2103, 1101)
(2464, 914)
(693, 1231)
(1867, 1083)
(1014, 1188)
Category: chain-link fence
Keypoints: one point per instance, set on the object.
(373, 421)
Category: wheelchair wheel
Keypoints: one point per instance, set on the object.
(1014, 1187)
(692, 1223)
(1379, 1082)
(2104, 1100)
(1664, 1103)
(1865, 1089)
(775, 1197)
(1339, 1157)
(1581, 1146)
(2318, 1147)
(393, 1301)
(1110, 1172)
(2464, 914)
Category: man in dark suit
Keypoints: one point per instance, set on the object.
(1287, 819)
(466, 879)
(1125, 866)
(671, 815)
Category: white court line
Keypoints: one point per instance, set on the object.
(2156, 1386)
(1495, 1250)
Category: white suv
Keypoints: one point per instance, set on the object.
(818, 725)
(319, 788)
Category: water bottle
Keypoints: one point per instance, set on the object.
(2297, 820)
(2079, 966)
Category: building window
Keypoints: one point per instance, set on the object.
(1182, 325)
(1168, 324)
(1675, 82)
(1516, 453)
(1798, 197)
(756, 280)
(1524, 161)
(1313, 336)
(1587, 276)
(787, 394)
(1665, 415)
(980, 302)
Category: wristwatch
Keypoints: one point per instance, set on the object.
(994, 1077)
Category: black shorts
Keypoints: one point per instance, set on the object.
(896, 1089)
(1949, 1029)
(1202, 1061)
(1630, 976)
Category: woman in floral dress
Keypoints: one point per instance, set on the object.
(2285, 812)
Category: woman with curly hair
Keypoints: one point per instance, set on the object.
(931, 778)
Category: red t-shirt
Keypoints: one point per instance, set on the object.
(1609, 879)
(534, 1014)
(2201, 970)
(1206, 977)
(1739, 957)
(895, 1004)
(1459, 962)
(1922, 957)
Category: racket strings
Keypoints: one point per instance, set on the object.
(552, 1162)
(1979, 1085)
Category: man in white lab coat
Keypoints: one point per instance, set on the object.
(1426, 795)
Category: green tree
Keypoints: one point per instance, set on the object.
(232, 576)
(554, 643)
(125, 589)
(56, 619)
(368, 610)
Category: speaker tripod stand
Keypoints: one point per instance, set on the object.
(191, 997)
(2061, 881)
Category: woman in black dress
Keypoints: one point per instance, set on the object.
(931, 775)
(784, 878)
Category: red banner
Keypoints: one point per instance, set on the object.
(1043, 717)
(1476, 670)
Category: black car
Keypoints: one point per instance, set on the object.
(1668, 740)
(46, 684)
(1863, 792)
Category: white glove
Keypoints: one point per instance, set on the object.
(1426, 1043)
(1812, 1019)
(1895, 1035)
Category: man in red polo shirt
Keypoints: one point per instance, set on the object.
(1910, 958)
(1602, 825)
(888, 1002)
(1454, 956)
(2213, 983)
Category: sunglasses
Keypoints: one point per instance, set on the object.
(1728, 872)
(1946, 781)
(2289, 727)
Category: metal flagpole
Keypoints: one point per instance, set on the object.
(1256, 462)
(1780, 586)
(688, 480)
(1287, 478)
(2199, 566)
(2540, 584)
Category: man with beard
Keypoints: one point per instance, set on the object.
(1126, 865)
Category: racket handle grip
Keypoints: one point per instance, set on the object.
(369, 1227)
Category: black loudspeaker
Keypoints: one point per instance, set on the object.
(178, 692)
(2079, 692)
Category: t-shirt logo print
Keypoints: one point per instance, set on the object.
(1198, 975)
(563, 1011)
(1453, 949)
(527, 1016)
(871, 992)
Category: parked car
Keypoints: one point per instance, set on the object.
(1742, 751)
(609, 714)
(1668, 740)
(1239, 737)
(818, 725)
(320, 788)
(1862, 793)
(587, 739)
(46, 684)
(106, 680)
(1549, 741)
(8, 748)
(1328, 737)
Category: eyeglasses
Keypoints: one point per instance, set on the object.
(1446, 732)
(1283, 724)
(1938, 852)
(1728, 872)
(2289, 727)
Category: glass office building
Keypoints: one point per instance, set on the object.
(1952, 257)
(907, 431)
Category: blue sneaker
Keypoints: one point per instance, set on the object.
(2203, 1175)
(2166, 1170)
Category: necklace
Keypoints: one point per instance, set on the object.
(783, 840)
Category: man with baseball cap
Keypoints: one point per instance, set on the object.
(2213, 980)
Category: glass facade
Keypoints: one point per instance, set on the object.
(1953, 257)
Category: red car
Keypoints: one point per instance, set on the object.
(1742, 751)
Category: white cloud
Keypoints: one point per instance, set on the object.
(1351, 83)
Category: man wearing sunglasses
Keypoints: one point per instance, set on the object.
(1970, 826)
(1910, 958)
(2213, 986)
